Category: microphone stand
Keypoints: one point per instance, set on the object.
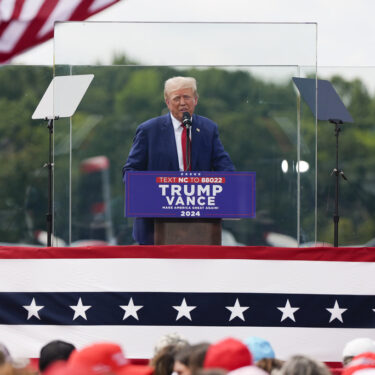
(188, 146)
(186, 121)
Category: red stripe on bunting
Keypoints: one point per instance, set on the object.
(347, 254)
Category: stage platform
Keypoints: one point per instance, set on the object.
(303, 300)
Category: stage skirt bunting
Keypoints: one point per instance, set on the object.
(309, 301)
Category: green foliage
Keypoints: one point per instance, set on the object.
(23, 147)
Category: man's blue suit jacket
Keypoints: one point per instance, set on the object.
(154, 149)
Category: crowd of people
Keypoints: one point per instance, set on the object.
(174, 355)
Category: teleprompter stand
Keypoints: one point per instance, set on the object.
(327, 107)
(49, 165)
(61, 99)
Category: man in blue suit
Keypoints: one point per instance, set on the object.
(157, 144)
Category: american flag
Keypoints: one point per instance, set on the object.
(27, 23)
(303, 300)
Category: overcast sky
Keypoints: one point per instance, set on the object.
(346, 28)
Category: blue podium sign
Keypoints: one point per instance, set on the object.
(190, 194)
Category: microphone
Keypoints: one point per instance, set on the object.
(186, 119)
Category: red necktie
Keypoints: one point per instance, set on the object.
(183, 144)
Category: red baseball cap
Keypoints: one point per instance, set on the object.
(229, 354)
(100, 359)
(364, 361)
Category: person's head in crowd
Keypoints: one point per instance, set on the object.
(163, 361)
(56, 350)
(362, 364)
(170, 339)
(197, 356)
(229, 354)
(182, 360)
(165, 351)
(259, 348)
(4, 354)
(12, 366)
(99, 359)
(356, 347)
(6, 367)
(303, 365)
(270, 365)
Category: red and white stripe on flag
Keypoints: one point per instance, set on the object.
(27, 23)
(309, 301)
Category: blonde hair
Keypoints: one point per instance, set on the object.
(176, 83)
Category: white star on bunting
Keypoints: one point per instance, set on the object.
(288, 311)
(184, 310)
(131, 310)
(80, 310)
(237, 310)
(32, 309)
(336, 312)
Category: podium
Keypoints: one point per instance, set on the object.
(188, 207)
(172, 231)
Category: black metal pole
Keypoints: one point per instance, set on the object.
(336, 216)
(337, 172)
(49, 165)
